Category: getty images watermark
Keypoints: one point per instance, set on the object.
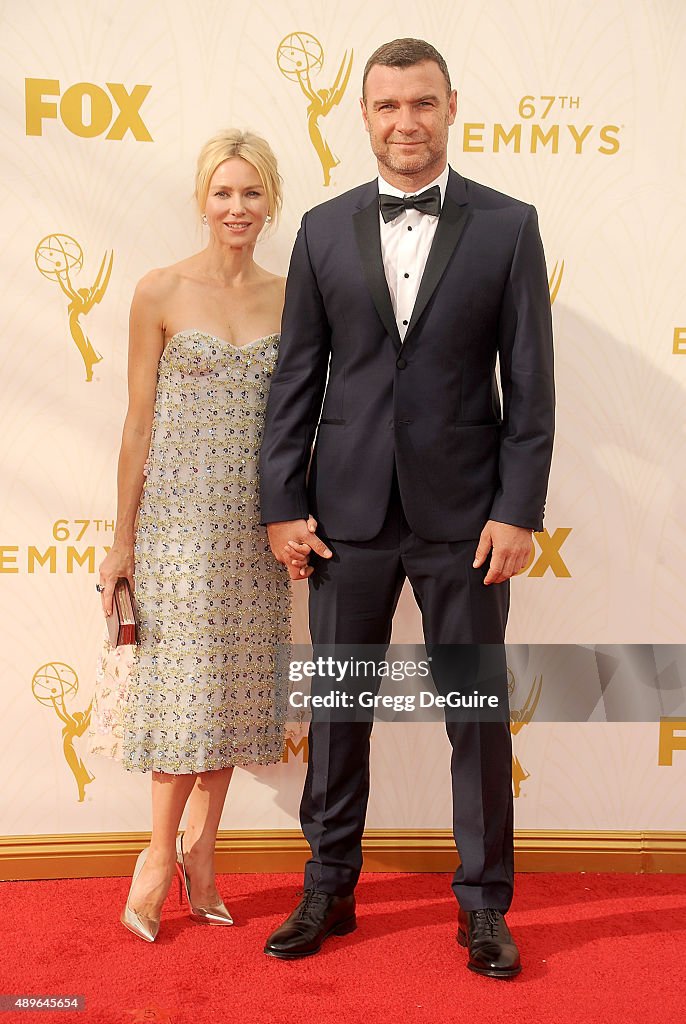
(484, 682)
(353, 670)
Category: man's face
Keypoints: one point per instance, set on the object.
(407, 112)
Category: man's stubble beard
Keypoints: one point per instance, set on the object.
(409, 166)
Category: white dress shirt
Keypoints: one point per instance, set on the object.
(405, 244)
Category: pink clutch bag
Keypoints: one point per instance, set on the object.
(122, 624)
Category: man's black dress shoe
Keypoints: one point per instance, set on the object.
(318, 915)
(492, 950)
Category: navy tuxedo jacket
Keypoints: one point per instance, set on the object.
(430, 402)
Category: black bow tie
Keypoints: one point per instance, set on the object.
(428, 201)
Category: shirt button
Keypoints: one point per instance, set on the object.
(405, 323)
(406, 275)
(409, 228)
(401, 363)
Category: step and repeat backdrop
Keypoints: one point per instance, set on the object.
(577, 108)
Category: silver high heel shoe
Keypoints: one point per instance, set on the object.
(145, 927)
(217, 913)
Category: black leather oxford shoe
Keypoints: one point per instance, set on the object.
(318, 915)
(492, 950)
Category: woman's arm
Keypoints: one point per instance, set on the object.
(146, 343)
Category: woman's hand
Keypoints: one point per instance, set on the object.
(301, 552)
(295, 553)
(118, 562)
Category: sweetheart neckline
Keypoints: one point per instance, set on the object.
(222, 341)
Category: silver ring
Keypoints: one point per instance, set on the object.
(99, 588)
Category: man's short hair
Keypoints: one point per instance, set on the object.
(405, 53)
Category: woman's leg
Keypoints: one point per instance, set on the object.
(169, 796)
(205, 808)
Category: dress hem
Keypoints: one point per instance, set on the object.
(236, 763)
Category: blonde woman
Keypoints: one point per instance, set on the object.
(214, 606)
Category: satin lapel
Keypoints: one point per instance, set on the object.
(451, 224)
(366, 223)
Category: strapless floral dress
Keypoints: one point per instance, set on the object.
(207, 685)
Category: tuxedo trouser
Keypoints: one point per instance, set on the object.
(353, 597)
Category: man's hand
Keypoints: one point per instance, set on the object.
(511, 550)
(291, 543)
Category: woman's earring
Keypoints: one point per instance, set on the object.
(268, 219)
(204, 219)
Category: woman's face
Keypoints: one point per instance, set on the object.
(237, 205)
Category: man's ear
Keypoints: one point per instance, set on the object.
(364, 115)
(452, 107)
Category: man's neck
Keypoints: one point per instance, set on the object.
(411, 183)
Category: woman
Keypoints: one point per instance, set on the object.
(212, 601)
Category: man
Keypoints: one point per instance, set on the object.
(406, 304)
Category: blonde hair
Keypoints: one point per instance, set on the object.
(250, 147)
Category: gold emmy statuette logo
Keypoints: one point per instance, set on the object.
(555, 280)
(53, 684)
(298, 56)
(57, 258)
(518, 719)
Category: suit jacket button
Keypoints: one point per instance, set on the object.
(401, 363)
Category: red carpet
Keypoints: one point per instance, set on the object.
(596, 949)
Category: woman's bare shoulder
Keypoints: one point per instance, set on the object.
(161, 281)
(278, 280)
(274, 282)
